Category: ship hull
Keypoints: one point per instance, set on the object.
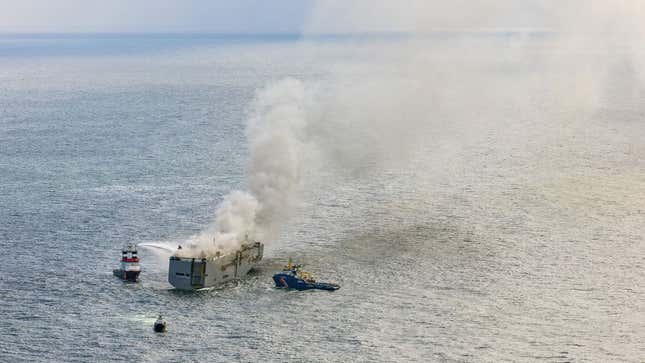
(288, 281)
(194, 273)
(126, 275)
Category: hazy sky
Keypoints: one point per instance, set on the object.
(235, 16)
(293, 16)
(259, 16)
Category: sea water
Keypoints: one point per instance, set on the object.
(505, 236)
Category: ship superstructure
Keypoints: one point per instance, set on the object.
(130, 268)
(187, 273)
(293, 277)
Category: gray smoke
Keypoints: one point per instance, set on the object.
(433, 82)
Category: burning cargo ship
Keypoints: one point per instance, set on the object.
(190, 273)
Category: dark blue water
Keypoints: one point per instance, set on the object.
(516, 243)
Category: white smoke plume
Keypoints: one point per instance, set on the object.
(275, 132)
(418, 86)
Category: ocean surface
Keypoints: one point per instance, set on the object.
(512, 231)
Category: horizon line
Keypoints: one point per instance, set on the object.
(276, 33)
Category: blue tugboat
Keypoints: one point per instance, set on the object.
(291, 277)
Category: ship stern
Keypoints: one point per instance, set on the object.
(186, 273)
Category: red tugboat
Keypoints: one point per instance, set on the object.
(130, 268)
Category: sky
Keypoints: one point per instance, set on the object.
(234, 16)
(309, 16)
(262, 16)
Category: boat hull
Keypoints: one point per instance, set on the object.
(289, 281)
(159, 327)
(194, 273)
(126, 275)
